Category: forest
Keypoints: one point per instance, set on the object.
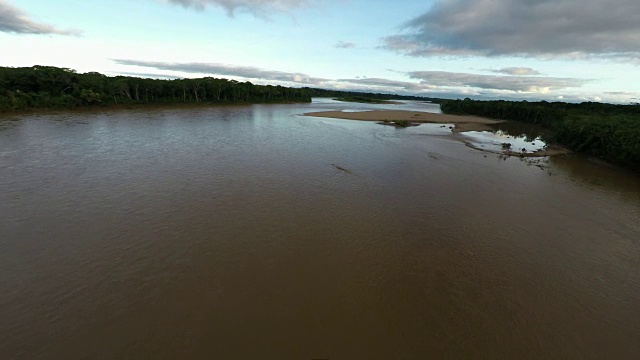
(47, 87)
(609, 132)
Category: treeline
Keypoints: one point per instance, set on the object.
(610, 132)
(378, 96)
(363, 99)
(46, 87)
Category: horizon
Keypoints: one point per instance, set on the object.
(568, 50)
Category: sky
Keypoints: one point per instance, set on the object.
(554, 50)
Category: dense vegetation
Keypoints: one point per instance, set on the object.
(47, 87)
(610, 132)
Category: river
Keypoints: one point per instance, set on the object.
(251, 232)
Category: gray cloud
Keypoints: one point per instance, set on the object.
(386, 83)
(257, 7)
(227, 70)
(345, 45)
(495, 82)
(14, 20)
(517, 71)
(540, 28)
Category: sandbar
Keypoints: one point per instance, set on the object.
(462, 123)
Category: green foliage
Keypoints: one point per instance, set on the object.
(614, 138)
(610, 132)
(89, 96)
(402, 123)
(46, 87)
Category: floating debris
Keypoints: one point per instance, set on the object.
(343, 169)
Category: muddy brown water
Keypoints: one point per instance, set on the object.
(233, 233)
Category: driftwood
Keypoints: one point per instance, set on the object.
(338, 167)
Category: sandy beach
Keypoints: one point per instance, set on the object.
(462, 123)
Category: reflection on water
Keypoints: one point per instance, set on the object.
(528, 132)
(232, 233)
(597, 175)
(509, 135)
(494, 141)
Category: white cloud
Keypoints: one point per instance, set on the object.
(248, 72)
(517, 71)
(256, 7)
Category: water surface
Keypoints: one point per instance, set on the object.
(232, 233)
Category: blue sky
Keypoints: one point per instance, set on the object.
(573, 50)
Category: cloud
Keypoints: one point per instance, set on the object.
(496, 82)
(624, 93)
(226, 70)
(256, 7)
(517, 71)
(464, 83)
(14, 20)
(482, 87)
(386, 83)
(567, 29)
(345, 45)
(147, 75)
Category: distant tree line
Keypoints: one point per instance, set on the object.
(367, 95)
(610, 132)
(47, 87)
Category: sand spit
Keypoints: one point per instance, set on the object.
(462, 123)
